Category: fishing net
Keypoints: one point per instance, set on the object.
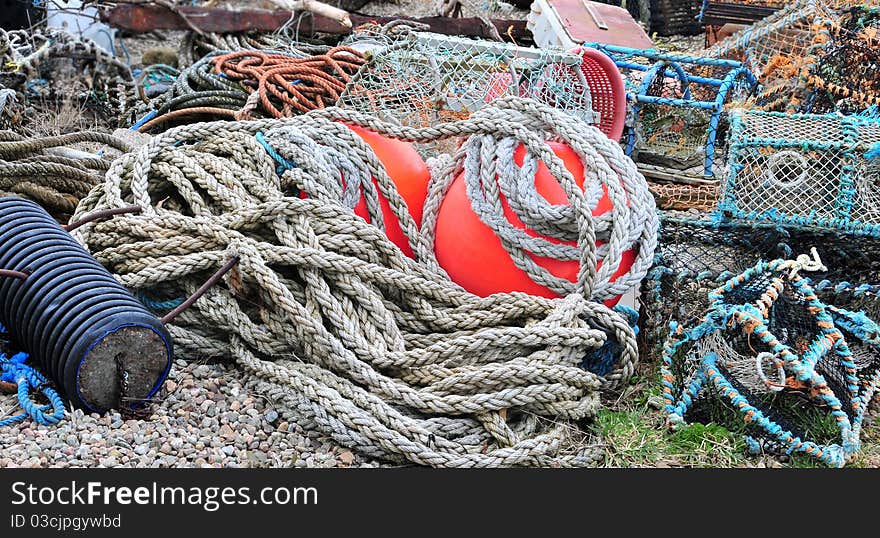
(804, 169)
(811, 56)
(696, 256)
(772, 361)
(425, 79)
(846, 74)
(785, 35)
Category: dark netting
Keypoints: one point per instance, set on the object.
(791, 320)
(749, 292)
(759, 363)
(846, 70)
(695, 257)
(792, 410)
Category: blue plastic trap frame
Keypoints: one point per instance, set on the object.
(804, 170)
(673, 66)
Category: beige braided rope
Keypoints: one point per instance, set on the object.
(343, 332)
(55, 181)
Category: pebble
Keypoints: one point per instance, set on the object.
(193, 427)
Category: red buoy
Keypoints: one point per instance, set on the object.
(473, 255)
(410, 175)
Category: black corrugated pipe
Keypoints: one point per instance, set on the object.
(98, 343)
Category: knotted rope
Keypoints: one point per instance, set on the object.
(297, 84)
(231, 85)
(334, 323)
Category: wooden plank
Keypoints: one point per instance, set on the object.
(667, 175)
(142, 18)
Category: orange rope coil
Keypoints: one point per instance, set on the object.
(300, 84)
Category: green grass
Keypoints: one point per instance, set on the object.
(638, 438)
(633, 430)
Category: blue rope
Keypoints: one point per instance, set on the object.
(159, 306)
(14, 370)
(150, 115)
(283, 164)
(873, 152)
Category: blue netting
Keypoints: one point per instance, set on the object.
(804, 170)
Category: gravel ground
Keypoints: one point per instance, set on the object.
(205, 419)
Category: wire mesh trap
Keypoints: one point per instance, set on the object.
(696, 256)
(779, 38)
(62, 79)
(425, 79)
(670, 17)
(677, 104)
(774, 362)
(804, 170)
(811, 57)
(845, 68)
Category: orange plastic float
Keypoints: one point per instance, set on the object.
(474, 256)
(410, 175)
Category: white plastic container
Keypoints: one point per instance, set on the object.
(569, 23)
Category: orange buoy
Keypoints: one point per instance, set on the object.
(473, 255)
(410, 175)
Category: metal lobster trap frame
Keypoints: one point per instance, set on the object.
(710, 366)
(424, 79)
(804, 169)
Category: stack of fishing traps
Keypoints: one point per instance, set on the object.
(424, 79)
(790, 362)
